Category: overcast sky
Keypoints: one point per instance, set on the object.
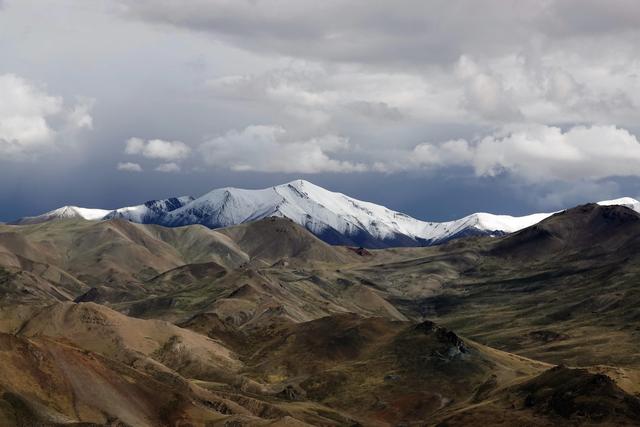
(437, 108)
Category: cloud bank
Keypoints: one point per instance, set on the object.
(531, 153)
(527, 91)
(403, 32)
(527, 97)
(271, 149)
(541, 153)
(33, 121)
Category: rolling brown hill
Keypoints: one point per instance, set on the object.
(47, 383)
(384, 372)
(559, 396)
(129, 340)
(562, 291)
(280, 239)
(589, 229)
(115, 250)
(264, 324)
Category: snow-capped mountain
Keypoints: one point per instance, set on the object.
(334, 217)
(65, 212)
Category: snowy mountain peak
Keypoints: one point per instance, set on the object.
(226, 206)
(334, 217)
(623, 201)
(65, 212)
(78, 212)
(300, 184)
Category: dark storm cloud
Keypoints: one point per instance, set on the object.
(359, 31)
(589, 17)
(407, 31)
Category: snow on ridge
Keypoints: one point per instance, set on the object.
(313, 207)
(65, 212)
(76, 212)
(384, 223)
(226, 206)
(90, 214)
(628, 202)
(149, 211)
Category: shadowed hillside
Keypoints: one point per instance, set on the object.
(588, 229)
(280, 239)
(562, 291)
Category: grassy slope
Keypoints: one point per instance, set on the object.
(567, 298)
(560, 292)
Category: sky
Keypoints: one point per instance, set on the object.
(436, 108)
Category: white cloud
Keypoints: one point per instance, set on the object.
(129, 167)
(490, 92)
(270, 149)
(168, 167)
(135, 146)
(31, 120)
(537, 153)
(320, 94)
(541, 153)
(24, 109)
(561, 86)
(529, 153)
(424, 156)
(449, 153)
(80, 116)
(158, 149)
(484, 93)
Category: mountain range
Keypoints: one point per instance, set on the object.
(114, 323)
(333, 217)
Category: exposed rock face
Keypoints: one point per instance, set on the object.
(290, 393)
(361, 251)
(455, 346)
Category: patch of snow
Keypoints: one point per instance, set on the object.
(75, 212)
(623, 201)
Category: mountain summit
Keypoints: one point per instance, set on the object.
(334, 217)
